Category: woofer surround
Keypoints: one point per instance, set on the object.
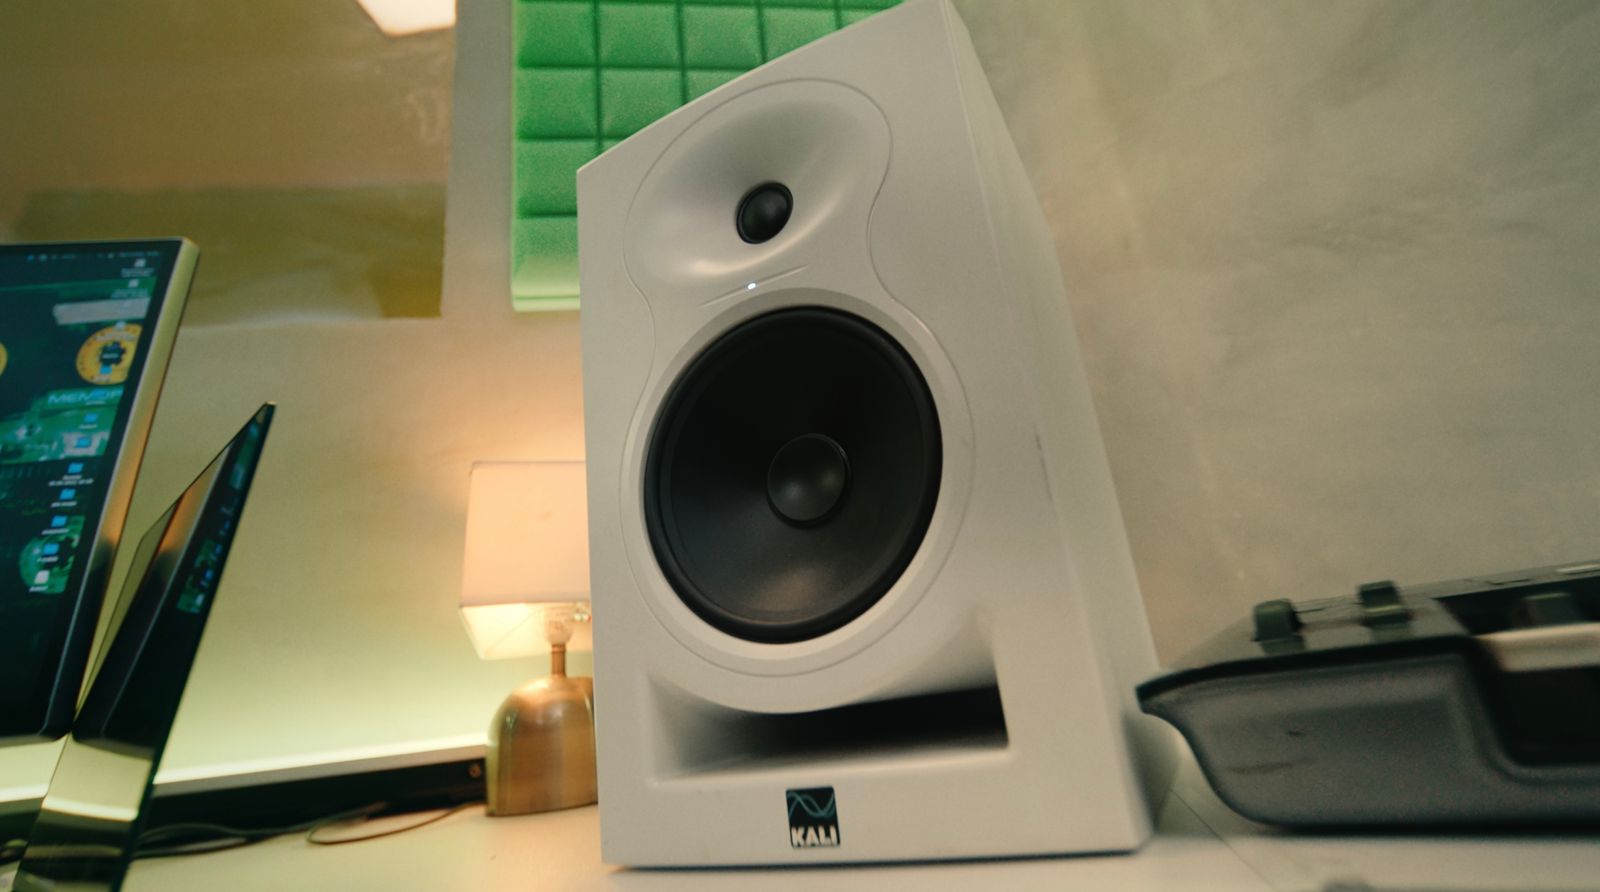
(791, 474)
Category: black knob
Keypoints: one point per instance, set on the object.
(763, 212)
(1381, 604)
(807, 479)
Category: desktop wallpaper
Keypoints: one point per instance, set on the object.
(72, 338)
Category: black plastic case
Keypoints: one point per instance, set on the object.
(1474, 701)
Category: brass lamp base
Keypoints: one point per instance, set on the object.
(541, 745)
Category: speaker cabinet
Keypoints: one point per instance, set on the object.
(861, 586)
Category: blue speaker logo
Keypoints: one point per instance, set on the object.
(813, 818)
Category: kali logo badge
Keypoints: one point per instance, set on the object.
(813, 818)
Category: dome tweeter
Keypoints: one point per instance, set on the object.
(763, 212)
(861, 586)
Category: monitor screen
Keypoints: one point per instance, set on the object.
(85, 833)
(85, 333)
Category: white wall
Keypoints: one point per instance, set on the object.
(1336, 272)
(338, 625)
(1334, 268)
(335, 626)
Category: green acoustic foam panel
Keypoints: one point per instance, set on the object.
(590, 73)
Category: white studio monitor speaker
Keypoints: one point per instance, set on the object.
(861, 586)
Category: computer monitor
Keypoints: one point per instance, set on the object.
(89, 823)
(86, 330)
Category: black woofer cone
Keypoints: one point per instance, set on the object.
(791, 474)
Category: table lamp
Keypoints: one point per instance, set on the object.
(525, 592)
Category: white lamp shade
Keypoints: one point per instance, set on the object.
(505, 631)
(527, 546)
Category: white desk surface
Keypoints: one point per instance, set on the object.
(1200, 845)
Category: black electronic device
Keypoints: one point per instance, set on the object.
(86, 330)
(88, 824)
(1475, 701)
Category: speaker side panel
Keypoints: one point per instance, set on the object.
(1043, 508)
(1080, 481)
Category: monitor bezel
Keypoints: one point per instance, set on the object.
(147, 601)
